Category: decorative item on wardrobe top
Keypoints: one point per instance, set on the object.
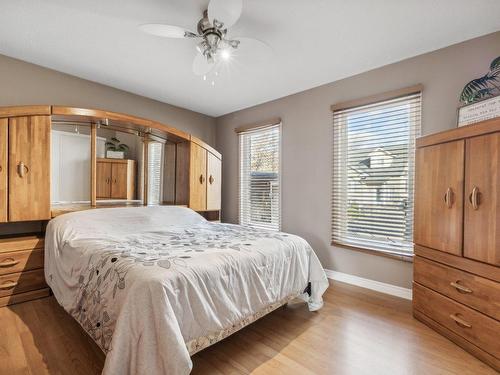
(481, 97)
(56, 159)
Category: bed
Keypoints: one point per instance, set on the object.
(154, 285)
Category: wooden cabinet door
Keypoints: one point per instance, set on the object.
(29, 168)
(482, 202)
(118, 181)
(198, 178)
(4, 125)
(439, 181)
(103, 180)
(214, 174)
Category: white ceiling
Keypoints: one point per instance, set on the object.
(314, 42)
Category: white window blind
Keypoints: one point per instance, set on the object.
(155, 172)
(260, 177)
(373, 172)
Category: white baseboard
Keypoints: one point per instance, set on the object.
(370, 284)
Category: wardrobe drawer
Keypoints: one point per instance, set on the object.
(475, 327)
(474, 291)
(21, 282)
(18, 261)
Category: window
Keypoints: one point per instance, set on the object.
(373, 172)
(260, 180)
(155, 172)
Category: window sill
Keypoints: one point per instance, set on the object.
(382, 253)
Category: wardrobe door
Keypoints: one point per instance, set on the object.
(103, 180)
(214, 182)
(29, 168)
(198, 178)
(4, 125)
(119, 180)
(482, 204)
(439, 180)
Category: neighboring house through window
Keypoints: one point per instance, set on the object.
(373, 173)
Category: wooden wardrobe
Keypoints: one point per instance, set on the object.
(115, 178)
(199, 176)
(456, 286)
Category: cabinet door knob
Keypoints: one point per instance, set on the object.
(22, 169)
(202, 179)
(474, 198)
(211, 179)
(448, 197)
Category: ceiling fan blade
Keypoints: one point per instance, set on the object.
(225, 11)
(201, 65)
(252, 50)
(166, 31)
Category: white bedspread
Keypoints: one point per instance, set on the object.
(152, 285)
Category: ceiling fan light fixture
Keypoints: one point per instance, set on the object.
(225, 54)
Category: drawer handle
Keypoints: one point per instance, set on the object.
(460, 288)
(460, 321)
(8, 285)
(9, 262)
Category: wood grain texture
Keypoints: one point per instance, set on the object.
(169, 173)
(357, 332)
(29, 143)
(476, 328)
(478, 293)
(4, 168)
(20, 282)
(437, 225)
(26, 110)
(459, 340)
(103, 180)
(23, 297)
(182, 161)
(119, 181)
(206, 146)
(477, 268)
(481, 128)
(482, 225)
(214, 182)
(97, 115)
(93, 164)
(21, 242)
(17, 261)
(198, 178)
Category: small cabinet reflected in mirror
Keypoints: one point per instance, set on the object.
(118, 166)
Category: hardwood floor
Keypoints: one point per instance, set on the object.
(357, 332)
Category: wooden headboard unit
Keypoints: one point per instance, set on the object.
(25, 181)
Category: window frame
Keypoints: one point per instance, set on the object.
(374, 100)
(275, 122)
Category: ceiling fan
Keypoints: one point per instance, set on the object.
(214, 46)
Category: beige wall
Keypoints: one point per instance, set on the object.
(23, 83)
(307, 144)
